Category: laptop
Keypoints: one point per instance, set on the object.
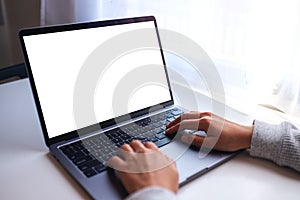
(98, 85)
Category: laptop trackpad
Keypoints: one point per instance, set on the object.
(188, 161)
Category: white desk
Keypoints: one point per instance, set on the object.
(27, 171)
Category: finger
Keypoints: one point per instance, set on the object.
(151, 146)
(174, 122)
(138, 146)
(190, 115)
(184, 124)
(196, 140)
(127, 147)
(192, 139)
(116, 163)
(191, 124)
(125, 151)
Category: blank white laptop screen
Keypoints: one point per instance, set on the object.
(56, 59)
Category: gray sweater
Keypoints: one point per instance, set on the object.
(279, 143)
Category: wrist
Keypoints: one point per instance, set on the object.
(247, 136)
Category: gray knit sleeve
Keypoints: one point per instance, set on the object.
(279, 143)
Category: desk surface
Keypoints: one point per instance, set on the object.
(28, 171)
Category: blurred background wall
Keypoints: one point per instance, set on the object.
(14, 15)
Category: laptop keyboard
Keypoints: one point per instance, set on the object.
(91, 154)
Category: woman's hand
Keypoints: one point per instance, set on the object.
(143, 165)
(222, 134)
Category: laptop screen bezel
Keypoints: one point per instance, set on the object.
(69, 27)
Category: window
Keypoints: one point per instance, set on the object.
(254, 44)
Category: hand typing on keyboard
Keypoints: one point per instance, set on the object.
(221, 134)
(143, 165)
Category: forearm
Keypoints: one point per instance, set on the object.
(279, 143)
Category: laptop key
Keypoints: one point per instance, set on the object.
(176, 112)
(117, 140)
(65, 147)
(68, 150)
(88, 165)
(153, 139)
(125, 137)
(85, 151)
(119, 144)
(160, 136)
(100, 168)
(80, 161)
(77, 155)
(163, 142)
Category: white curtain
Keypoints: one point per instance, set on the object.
(254, 43)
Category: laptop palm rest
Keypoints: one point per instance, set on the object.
(189, 164)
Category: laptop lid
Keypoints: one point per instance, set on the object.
(55, 56)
